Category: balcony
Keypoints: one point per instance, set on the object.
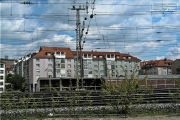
(59, 55)
(87, 56)
(110, 57)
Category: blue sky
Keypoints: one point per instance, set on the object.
(126, 26)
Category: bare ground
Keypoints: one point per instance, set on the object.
(129, 118)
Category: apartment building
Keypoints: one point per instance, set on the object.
(157, 67)
(2, 77)
(51, 62)
(21, 66)
(9, 63)
(176, 67)
(58, 62)
(108, 64)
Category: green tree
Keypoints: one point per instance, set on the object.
(17, 81)
(125, 93)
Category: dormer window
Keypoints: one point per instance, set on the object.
(62, 53)
(100, 56)
(85, 56)
(89, 56)
(48, 53)
(94, 56)
(57, 53)
(117, 56)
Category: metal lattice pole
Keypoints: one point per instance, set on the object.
(78, 45)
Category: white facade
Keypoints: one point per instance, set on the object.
(108, 67)
(53, 62)
(49, 68)
(2, 77)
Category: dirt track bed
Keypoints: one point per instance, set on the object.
(129, 118)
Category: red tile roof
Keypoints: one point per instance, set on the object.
(70, 54)
(156, 63)
(122, 56)
(43, 51)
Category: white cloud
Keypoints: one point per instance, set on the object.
(160, 57)
(115, 28)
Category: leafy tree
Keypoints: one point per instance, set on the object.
(125, 93)
(17, 81)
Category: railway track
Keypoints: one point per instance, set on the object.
(84, 98)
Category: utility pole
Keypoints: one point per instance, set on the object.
(79, 35)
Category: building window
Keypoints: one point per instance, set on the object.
(1, 83)
(62, 75)
(69, 66)
(69, 71)
(50, 59)
(1, 77)
(1, 71)
(94, 56)
(62, 53)
(57, 53)
(108, 62)
(57, 71)
(62, 60)
(37, 59)
(1, 89)
(62, 65)
(48, 53)
(58, 65)
(85, 66)
(49, 70)
(1, 65)
(95, 66)
(89, 62)
(37, 65)
(37, 71)
(68, 60)
(85, 72)
(85, 55)
(112, 66)
(112, 62)
(50, 65)
(50, 76)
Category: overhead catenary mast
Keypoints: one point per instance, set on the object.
(79, 34)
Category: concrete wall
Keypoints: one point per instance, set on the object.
(157, 81)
